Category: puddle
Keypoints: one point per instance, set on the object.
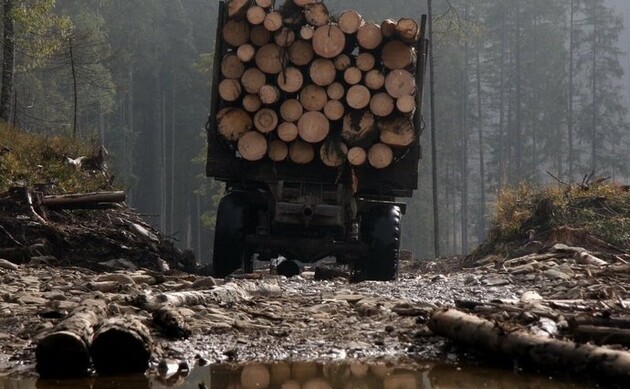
(308, 375)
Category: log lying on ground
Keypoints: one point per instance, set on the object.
(334, 110)
(270, 94)
(480, 333)
(335, 91)
(65, 351)
(171, 322)
(83, 199)
(266, 120)
(313, 97)
(366, 62)
(342, 62)
(121, 345)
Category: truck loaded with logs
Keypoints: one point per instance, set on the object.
(314, 127)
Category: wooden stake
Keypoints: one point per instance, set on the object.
(380, 156)
(399, 83)
(251, 103)
(291, 110)
(365, 62)
(232, 123)
(301, 53)
(357, 156)
(397, 55)
(336, 91)
(266, 120)
(246, 52)
(260, 36)
(288, 132)
(232, 66)
(382, 104)
(236, 33)
(253, 79)
(301, 152)
(322, 72)
(278, 151)
(252, 146)
(230, 89)
(269, 94)
(374, 79)
(269, 58)
(313, 97)
(350, 21)
(334, 110)
(313, 127)
(358, 97)
(328, 41)
(369, 36)
(290, 80)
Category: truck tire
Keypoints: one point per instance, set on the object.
(232, 224)
(381, 230)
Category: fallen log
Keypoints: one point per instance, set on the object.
(480, 333)
(602, 334)
(121, 345)
(65, 351)
(83, 199)
(171, 322)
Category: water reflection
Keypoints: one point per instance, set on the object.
(310, 375)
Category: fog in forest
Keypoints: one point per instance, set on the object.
(526, 90)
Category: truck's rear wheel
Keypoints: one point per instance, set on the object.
(232, 224)
(381, 230)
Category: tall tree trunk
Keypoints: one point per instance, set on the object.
(594, 110)
(464, 142)
(172, 157)
(502, 141)
(571, 87)
(74, 89)
(163, 190)
(8, 62)
(518, 147)
(482, 163)
(434, 169)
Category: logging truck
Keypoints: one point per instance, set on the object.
(314, 128)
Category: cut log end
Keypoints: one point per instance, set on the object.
(333, 154)
(266, 120)
(232, 123)
(273, 21)
(369, 36)
(358, 97)
(350, 21)
(269, 58)
(334, 110)
(322, 72)
(336, 91)
(301, 53)
(252, 146)
(313, 97)
(236, 33)
(357, 156)
(290, 80)
(62, 354)
(352, 75)
(278, 151)
(380, 156)
(400, 83)
(120, 346)
(259, 36)
(287, 132)
(328, 41)
(382, 104)
(301, 152)
(291, 110)
(313, 127)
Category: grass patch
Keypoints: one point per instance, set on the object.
(31, 159)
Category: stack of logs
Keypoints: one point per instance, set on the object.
(295, 83)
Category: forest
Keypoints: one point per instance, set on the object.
(527, 92)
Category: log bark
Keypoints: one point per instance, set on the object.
(82, 199)
(284, 37)
(291, 110)
(397, 55)
(358, 97)
(301, 152)
(171, 323)
(352, 75)
(266, 120)
(290, 80)
(301, 53)
(269, 94)
(235, 32)
(602, 335)
(313, 127)
(233, 123)
(374, 79)
(65, 352)
(551, 353)
(322, 72)
(350, 21)
(316, 14)
(406, 104)
(380, 156)
(333, 153)
(256, 15)
(369, 36)
(253, 79)
(399, 83)
(246, 53)
(260, 36)
(328, 41)
(357, 156)
(382, 104)
(407, 30)
(273, 21)
(397, 132)
(336, 91)
(359, 129)
(230, 90)
(237, 7)
(288, 132)
(388, 27)
(366, 62)
(232, 66)
(269, 58)
(251, 103)
(306, 32)
(252, 146)
(334, 110)
(342, 62)
(121, 345)
(313, 97)
(278, 151)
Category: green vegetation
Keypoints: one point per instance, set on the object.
(29, 159)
